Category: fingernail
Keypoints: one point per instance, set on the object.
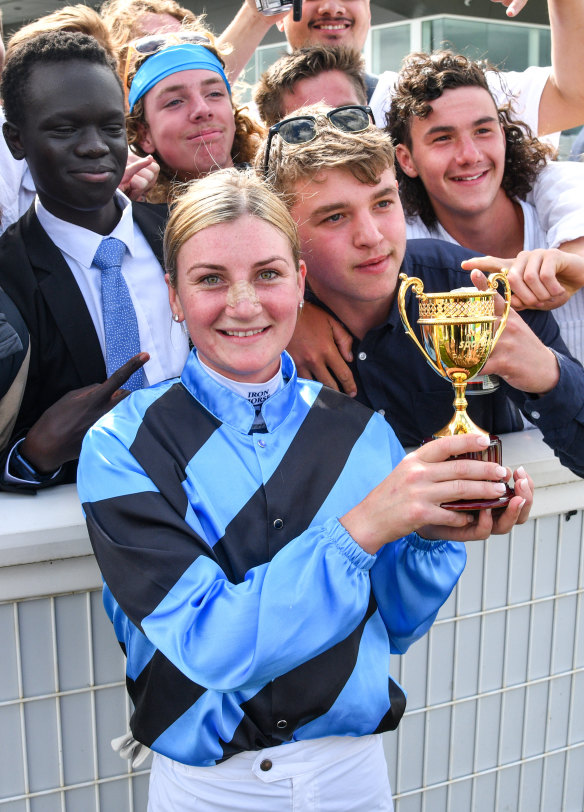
(500, 487)
(521, 503)
(521, 471)
(483, 440)
(502, 472)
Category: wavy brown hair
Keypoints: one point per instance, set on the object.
(248, 133)
(424, 78)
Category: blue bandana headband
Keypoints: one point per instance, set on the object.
(174, 59)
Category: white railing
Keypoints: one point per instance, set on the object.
(495, 717)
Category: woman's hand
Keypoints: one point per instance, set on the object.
(410, 498)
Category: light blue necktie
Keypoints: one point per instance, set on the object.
(122, 338)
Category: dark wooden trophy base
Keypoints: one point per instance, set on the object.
(493, 453)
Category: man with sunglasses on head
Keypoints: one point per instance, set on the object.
(83, 265)
(336, 172)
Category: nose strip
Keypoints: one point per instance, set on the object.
(242, 291)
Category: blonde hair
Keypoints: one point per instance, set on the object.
(222, 197)
(248, 133)
(366, 154)
(78, 18)
(123, 18)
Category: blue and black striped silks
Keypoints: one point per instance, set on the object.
(248, 615)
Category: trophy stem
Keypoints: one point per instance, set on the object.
(461, 422)
(459, 383)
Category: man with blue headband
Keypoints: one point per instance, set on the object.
(170, 60)
(182, 113)
(81, 265)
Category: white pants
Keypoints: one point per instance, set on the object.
(334, 774)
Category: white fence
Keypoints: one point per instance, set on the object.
(495, 719)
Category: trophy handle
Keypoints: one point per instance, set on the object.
(492, 279)
(418, 285)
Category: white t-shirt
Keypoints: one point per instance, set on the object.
(17, 190)
(533, 234)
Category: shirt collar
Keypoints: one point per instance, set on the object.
(80, 243)
(233, 409)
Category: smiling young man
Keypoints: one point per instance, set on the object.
(464, 166)
(343, 195)
(465, 170)
(89, 302)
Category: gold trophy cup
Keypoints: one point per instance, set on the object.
(457, 330)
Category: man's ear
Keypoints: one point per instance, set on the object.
(405, 160)
(145, 141)
(12, 138)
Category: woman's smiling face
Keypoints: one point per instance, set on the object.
(238, 290)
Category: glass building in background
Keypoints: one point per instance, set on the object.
(509, 45)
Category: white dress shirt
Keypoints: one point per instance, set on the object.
(162, 338)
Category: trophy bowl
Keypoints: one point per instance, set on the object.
(458, 334)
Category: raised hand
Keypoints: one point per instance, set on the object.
(140, 176)
(542, 279)
(57, 435)
(513, 6)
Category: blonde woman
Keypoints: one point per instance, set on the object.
(264, 542)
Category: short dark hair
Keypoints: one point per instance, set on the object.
(424, 78)
(51, 47)
(305, 63)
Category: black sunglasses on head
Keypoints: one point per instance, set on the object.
(351, 118)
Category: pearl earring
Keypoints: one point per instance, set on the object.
(301, 305)
(175, 316)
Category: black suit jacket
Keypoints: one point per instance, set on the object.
(65, 349)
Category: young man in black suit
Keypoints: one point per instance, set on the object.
(64, 107)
